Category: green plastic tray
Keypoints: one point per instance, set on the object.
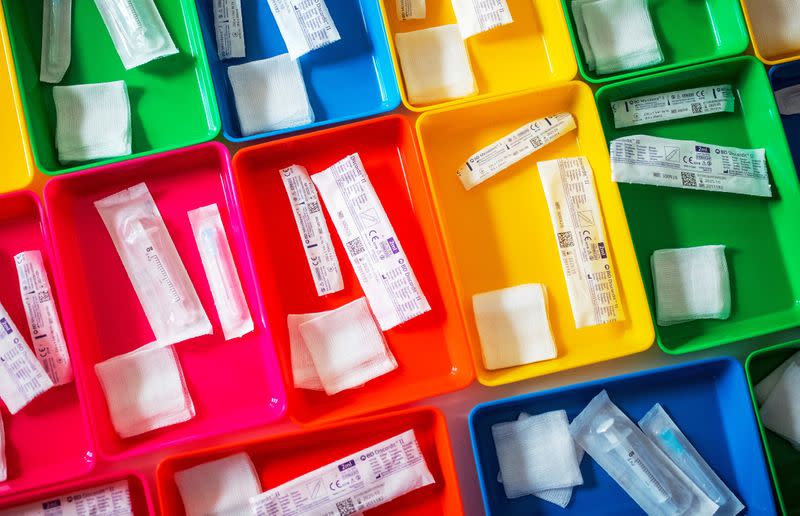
(172, 100)
(760, 233)
(689, 32)
(783, 458)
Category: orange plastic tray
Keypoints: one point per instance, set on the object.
(430, 349)
(281, 458)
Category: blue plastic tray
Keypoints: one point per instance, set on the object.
(709, 400)
(783, 76)
(352, 78)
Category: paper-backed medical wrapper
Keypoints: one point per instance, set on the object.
(368, 479)
(107, 500)
(581, 241)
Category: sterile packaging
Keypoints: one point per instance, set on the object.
(137, 30)
(347, 347)
(691, 283)
(314, 235)
(223, 278)
(304, 373)
(229, 29)
(305, 25)
(635, 463)
(781, 410)
(775, 25)
(788, 100)
(763, 388)
(375, 253)
(145, 390)
(435, 65)
(649, 160)
(22, 377)
(476, 17)
(513, 326)
(93, 121)
(585, 254)
(513, 147)
(559, 496)
(56, 40)
(270, 95)
(536, 453)
(673, 105)
(44, 324)
(153, 265)
(109, 500)
(666, 435)
(368, 479)
(411, 9)
(221, 487)
(616, 35)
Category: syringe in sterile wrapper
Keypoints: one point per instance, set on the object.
(356, 483)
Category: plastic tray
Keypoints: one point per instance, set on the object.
(141, 499)
(172, 99)
(783, 458)
(688, 31)
(767, 59)
(33, 456)
(783, 76)
(499, 234)
(430, 348)
(762, 246)
(14, 142)
(707, 399)
(281, 458)
(351, 78)
(532, 51)
(104, 315)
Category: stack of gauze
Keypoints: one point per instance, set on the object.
(345, 347)
(145, 389)
(777, 395)
(24, 375)
(222, 487)
(388, 470)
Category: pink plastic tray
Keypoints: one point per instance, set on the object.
(234, 384)
(47, 441)
(431, 349)
(141, 499)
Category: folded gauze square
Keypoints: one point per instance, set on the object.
(347, 347)
(781, 412)
(304, 372)
(145, 390)
(435, 65)
(559, 496)
(764, 388)
(93, 121)
(219, 488)
(513, 326)
(619, 34)
(776, 27)
(691, 283)
(270, 95)
(536, 453)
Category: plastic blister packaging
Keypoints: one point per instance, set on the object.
(56, 40)
(138, 32)
(666, 435)
(634, 462)
(153, 265)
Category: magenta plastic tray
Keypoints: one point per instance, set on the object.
(36, 456)
(234, 384)
(141, 498)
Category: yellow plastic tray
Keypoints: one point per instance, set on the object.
(17, 159)
(533, 51)
(766, 59)
(499, 233)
